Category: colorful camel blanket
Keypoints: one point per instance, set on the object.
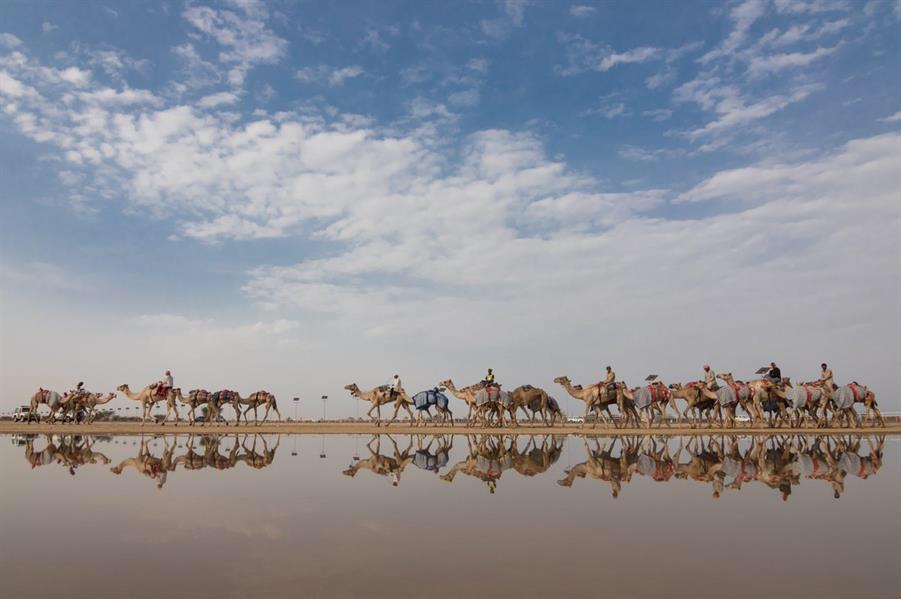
(804, 395)
(431, 397)
(731, 394)
(845, 396)
(432, 462)
(489, 394)
(645, 396)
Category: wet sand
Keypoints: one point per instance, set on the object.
(893, 427)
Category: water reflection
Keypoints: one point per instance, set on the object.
(724, 463)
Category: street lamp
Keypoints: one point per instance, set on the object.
(296, 404)
(324, 397)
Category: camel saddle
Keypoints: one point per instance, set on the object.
(160, 390)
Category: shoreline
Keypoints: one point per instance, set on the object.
(405, 428)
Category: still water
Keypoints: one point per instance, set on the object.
(448, 516)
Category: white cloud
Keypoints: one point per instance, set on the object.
(810, 6)
(333, 76)
(479, 65)
(581, 11)
(218, 99)
(468, 97)
(245, 38)
(731, 108)
(895, 118)
(769, 64)
(658, 114)
(516, 10)
(609, 110)
(47, 27)
(743, 16)
(9, 40)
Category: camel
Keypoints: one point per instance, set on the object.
(384, 465)
(650, 398)
(53, 400)
(148, 397)
(90, 402)
(196, 397)
(147, 464)
(378, 397)
(553, 409)
(425, 400)
(522, 397)
(698, 402)
(806, 399)
(656, 464)
(253, 402)
(468, 394)
(741, 393)
(596, 400)
(220, 398)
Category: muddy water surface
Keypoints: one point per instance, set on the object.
(401, 516)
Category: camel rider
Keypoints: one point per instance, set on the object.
(610, 381)
(488, 381)
(826, 378)
(394, 387)
(774, 374)
(710, 378)
(162, 388)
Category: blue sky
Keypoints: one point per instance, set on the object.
(296, 195)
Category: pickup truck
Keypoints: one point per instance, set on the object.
(24, 414)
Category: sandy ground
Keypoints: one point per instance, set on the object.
(404, 428)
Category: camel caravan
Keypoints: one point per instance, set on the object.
(769, 401)
(79, 405)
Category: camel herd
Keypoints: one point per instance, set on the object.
(71, 403)
(766, 402)
(777, 462)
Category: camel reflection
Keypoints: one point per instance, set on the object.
(603, 465)
(212, 453)
(69, 451)
(775, 462)
(388, 466)
(491, 455)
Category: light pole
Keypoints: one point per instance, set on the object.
(324, 397)
(296, 403)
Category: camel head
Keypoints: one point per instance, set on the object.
(123, 388)
(562, 380)
(352, 388)
(448, 384)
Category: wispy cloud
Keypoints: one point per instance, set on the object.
(334, 76)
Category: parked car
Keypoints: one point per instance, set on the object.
(24, 414)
